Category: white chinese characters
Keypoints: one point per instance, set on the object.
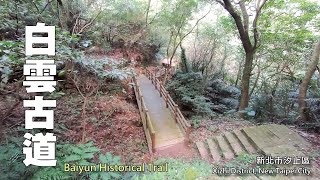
(39, 75)
(43, 151)
(32, 40)
(40, 149)
(38, 112)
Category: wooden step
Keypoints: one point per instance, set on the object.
(234, 143)
(244, 141)
(214, 150)
(225, 148)
(203, 150)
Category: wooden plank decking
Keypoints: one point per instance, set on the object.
(167, 131)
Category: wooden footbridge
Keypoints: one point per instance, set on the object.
(162, 120)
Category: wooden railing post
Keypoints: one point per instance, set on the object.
(176, 112)
(188, 134)
(145, 114)
(153, 139)
(160, 88)
(138, 92)
(141, 103)
(166, 99)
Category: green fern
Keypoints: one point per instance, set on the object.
(109, 160)
(81, 154)
(11, 155)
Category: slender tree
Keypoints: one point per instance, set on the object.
(303, 109)
(250, 46)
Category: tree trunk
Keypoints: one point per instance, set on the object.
(245, 82)
(238, 74)
(255, 82)
(303, 109)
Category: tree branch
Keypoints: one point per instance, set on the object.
(244, 36)
(181, 39)
(88, 24)
(245, 16)
(254, 25)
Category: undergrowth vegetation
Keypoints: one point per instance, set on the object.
(178, 169)
(187, 90)
(72, 154)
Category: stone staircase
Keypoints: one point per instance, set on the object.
(274, 140)
(225, 147)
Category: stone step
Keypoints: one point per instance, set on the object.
(225, 148)
(214, 150)
(234, 143)
(244, 141)
(276, 140)
(203, 150)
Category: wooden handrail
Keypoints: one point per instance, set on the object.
(179, 118)
(145, 116)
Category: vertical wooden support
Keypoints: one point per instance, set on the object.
(188, 130)
(141, 104)
(160, 89)
(153, 139)
(176, 112)
(145, 115)
(166, 99)
(138, 92)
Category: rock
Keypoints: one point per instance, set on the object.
(210, 89)
(223, 95)
(313, 102)
(224, 89)
(220, 108)
(230, 102)
(295, 94)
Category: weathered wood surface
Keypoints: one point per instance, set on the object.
(170, 104)
(167, 131)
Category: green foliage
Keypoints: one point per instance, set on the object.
(186, 89)
(200, 104)
(109, 160)
(196, 121)
(179, 169)
(65, 46)
(80, 154)
(184, 61)
(11, 158)
(121, 20)
(10, 54)
(56, 94)
(11, 51)
(107, 68)
(243, 161)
